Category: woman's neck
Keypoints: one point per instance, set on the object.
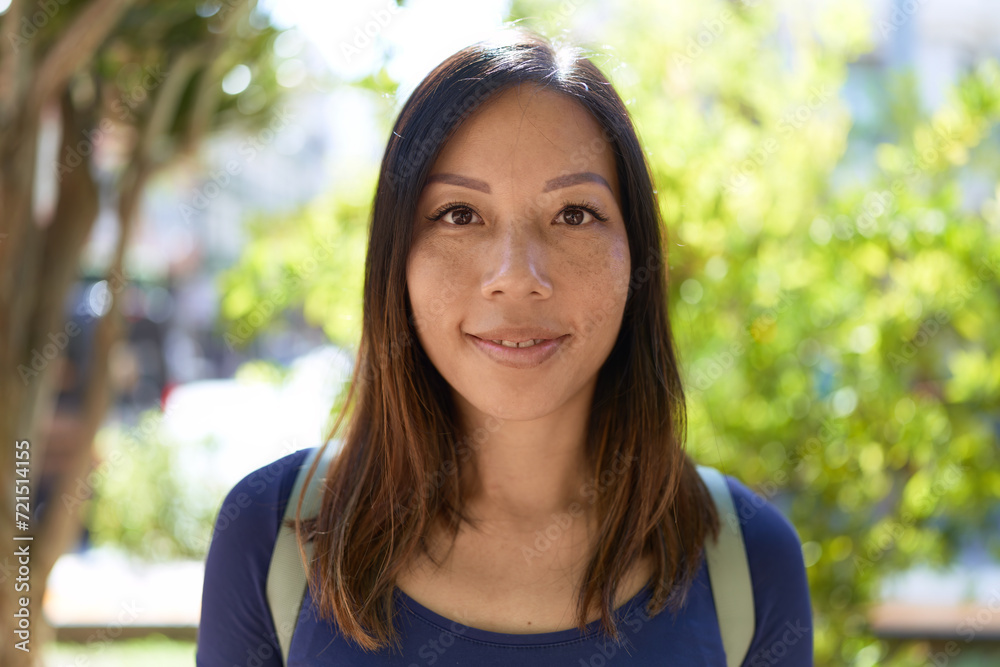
(523, 472)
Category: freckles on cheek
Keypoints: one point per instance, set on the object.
(419, 285)
(607, 271)
(436, 275)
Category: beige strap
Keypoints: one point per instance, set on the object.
(286, 580)
(729, 572)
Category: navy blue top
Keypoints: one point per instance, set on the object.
(236, 627)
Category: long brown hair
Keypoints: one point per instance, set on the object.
(401, 456)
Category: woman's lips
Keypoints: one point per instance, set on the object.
(519, 357)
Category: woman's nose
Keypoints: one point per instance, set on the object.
(516, 264)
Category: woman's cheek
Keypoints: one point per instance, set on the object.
(434, 273)
(607, 273)
(426, 302)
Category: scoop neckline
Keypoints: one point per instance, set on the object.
(521, 639)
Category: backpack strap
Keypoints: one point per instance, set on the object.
(286, 580)
(729, 572)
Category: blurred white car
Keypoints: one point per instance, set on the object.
(229, 428)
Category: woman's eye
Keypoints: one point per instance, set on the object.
(575, 216)
(460, 215)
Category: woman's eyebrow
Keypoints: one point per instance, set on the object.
(463, 181)
(574, 179)
(550, 185)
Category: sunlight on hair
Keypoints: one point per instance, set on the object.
(565, 57)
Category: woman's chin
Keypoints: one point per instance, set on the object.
(521, 404)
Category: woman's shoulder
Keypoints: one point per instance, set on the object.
(765, 527)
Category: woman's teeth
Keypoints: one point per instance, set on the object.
(527, 343)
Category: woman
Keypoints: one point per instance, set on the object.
(512, 486)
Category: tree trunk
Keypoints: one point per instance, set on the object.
(45, 266)
(39, 263)
(20, 262)
(63, 522)
(38, 266)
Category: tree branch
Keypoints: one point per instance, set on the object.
(207, 94)
(77, 46)
(166, 103)
(77, 207)
(12, 77)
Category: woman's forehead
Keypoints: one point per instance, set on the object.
(531, 135)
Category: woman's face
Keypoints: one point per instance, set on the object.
(519, 237)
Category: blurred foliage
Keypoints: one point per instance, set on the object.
(197, 43)
(311, 260)
(173, 515)
(835, 303)
(156, 650)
